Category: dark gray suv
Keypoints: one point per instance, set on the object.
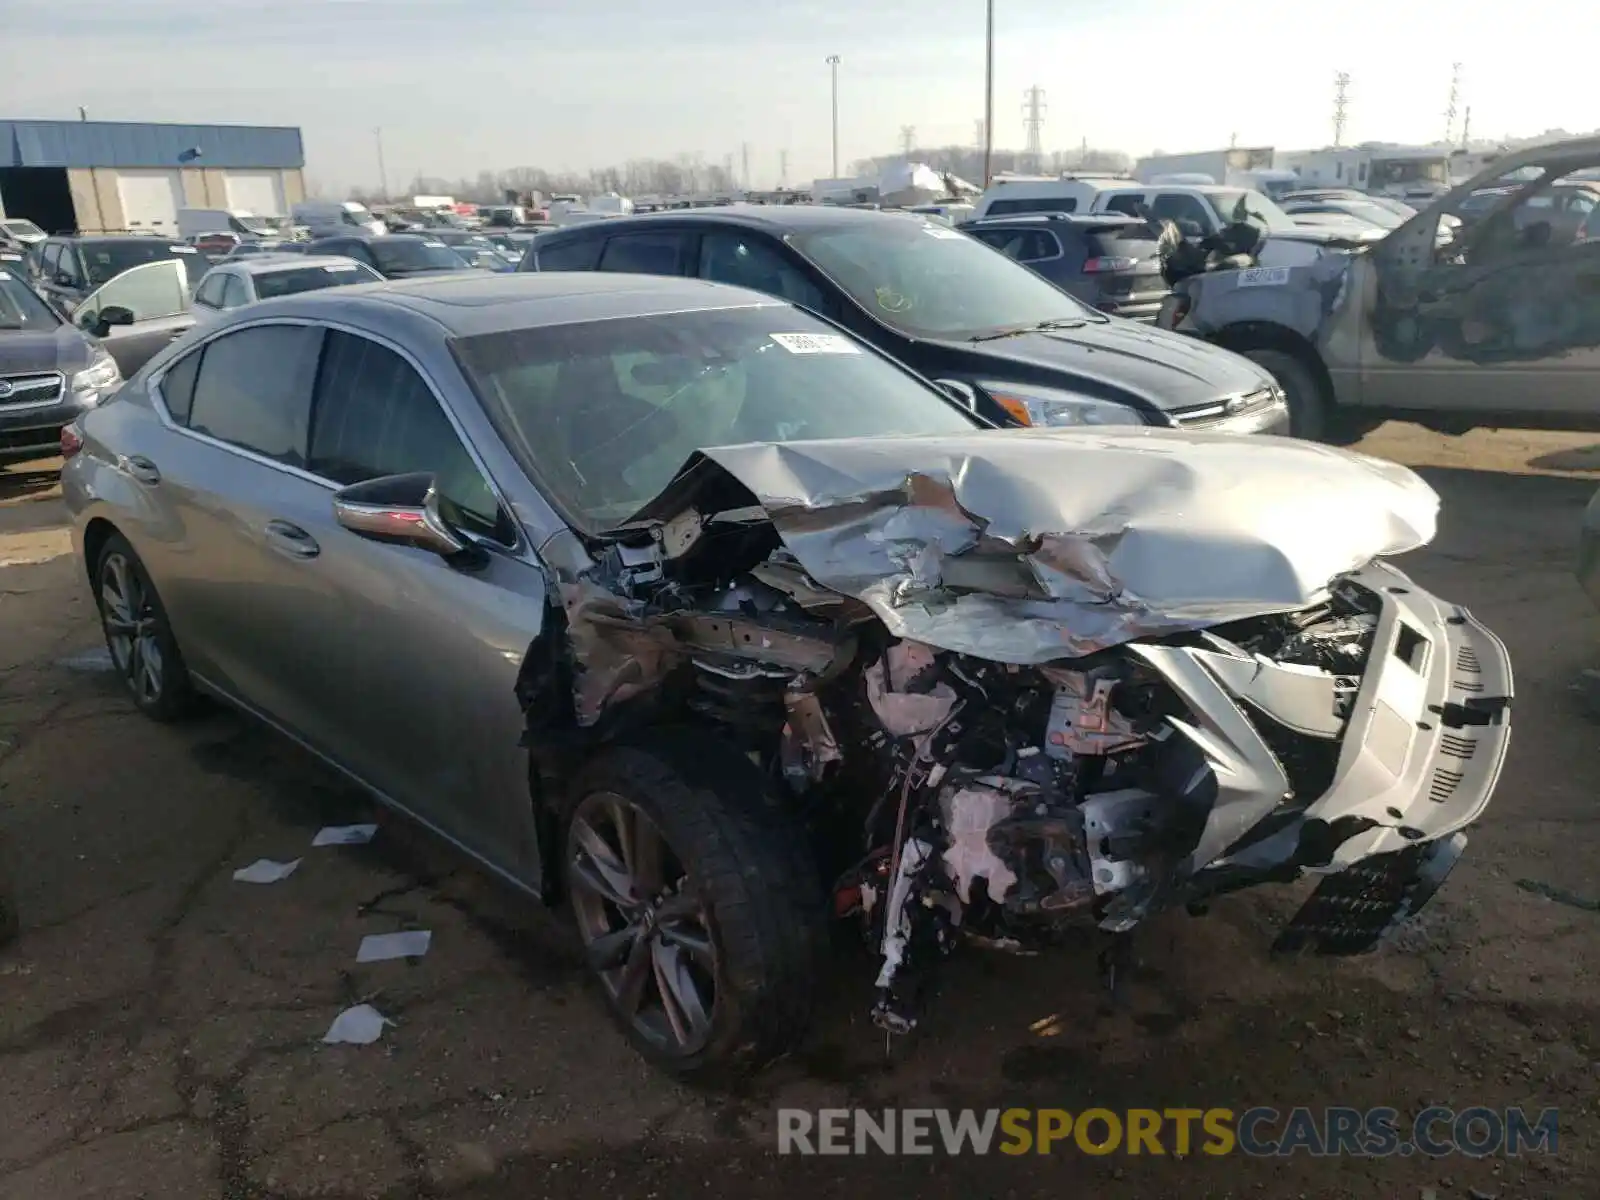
(1108, 261)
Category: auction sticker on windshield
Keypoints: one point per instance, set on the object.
(5, 276)
(939, 231)
(335, 268)
(181, 250)
(815, 343)
(435, 245)
(1264, 277)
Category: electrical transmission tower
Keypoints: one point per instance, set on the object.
(744, 165)
(1450, 107)
(1033, 110)
(908, 140)
(977, 133)
(1341, 99)
(783, 169)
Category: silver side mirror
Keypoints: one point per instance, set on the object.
(401, 510)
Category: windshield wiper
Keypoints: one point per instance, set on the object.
(1037, 327)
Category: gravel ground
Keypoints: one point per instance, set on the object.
(160, 1024)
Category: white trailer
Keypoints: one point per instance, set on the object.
(1219, 166)
(1414, 174)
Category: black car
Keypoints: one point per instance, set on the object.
(50, 373)
(395, 255)
(1017, 349)
(67, 269)
(1107, 260)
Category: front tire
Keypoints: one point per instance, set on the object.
(138, 634)
(1313, 415)
(701, 923)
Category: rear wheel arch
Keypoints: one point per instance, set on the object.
(95, 535)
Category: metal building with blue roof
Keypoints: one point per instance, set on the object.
(104, 176)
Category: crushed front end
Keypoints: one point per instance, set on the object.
(999, 716)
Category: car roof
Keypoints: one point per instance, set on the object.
(135, 239)
(778, 218)
(1102, 220)
(265, 264)
(474, 302)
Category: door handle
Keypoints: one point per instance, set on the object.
(141, 468)
(292, 540)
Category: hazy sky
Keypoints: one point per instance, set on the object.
(464, 85)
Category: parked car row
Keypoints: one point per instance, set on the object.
(1015, 348)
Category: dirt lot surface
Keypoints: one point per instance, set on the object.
(161, 1025)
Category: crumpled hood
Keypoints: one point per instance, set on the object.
(1025, 546)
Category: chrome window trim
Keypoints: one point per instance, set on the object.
(520, 546)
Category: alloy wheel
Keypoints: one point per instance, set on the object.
(645, 932)
(132, 628)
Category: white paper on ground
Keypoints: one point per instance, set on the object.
(344, 835)
(378, 947)
(264, 870)
(358, 1026)
(97, 659)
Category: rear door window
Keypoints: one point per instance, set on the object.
(1024, 245)
(209, 293)
(1132, 203)
(254, 390)
(1042, 204)
(645, 253)
(579, 254)
(747, 260)
(234, 293)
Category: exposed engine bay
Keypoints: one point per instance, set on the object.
(1165, 752)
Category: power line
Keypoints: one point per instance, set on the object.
(1341, 99)
(1033, 110)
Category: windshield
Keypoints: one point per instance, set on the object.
(1258, 210)
(20, 306)
(20, 228)
(293, 280)
(414, 254)
(107, 260)
(603, 414)
(258, 225)
(927, 280)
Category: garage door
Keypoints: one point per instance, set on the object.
(151, 200)
(258, 192)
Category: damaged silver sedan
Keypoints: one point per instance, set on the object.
(677, 604)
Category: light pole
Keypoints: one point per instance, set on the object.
(383, 173)
(988, 91)
(833, 68)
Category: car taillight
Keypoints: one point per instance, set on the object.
(71, 441)
(1097, 266)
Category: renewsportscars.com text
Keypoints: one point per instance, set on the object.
(1477, 1132)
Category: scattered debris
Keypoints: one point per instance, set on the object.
(98, 659)
(1559, 895)
(358, 1026)
(345, 835)
(380, 947)
(264, 870)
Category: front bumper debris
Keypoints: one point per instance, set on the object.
(1353, 911)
